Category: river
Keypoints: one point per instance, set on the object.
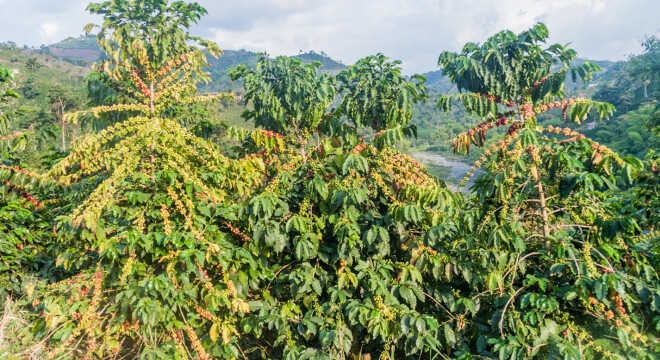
(450, 170)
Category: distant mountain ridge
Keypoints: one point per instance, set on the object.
(83, 47)
(86, 48)
(231, 58)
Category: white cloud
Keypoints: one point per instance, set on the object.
(48, 30)
(416, 32)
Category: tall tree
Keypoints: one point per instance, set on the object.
(645, 68)
(141, 189)
(32, 64)
(62, 100)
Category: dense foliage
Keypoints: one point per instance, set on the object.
(549, 196)
(314, 238)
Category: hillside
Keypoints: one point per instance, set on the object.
(82, 50)
(67, 62)
(328, 64)
(230, 58)
(38, 65)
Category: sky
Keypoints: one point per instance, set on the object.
(413, 31)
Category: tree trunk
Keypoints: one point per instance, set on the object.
(63, 127)
(63, 135)
(303, 154)
(152, 108)
(544, 212)
(34, 143)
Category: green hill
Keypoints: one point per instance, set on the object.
(230, 58)
(82, 50)
(329, 64)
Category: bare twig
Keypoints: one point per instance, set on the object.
(507, 305)
(439, 304)
(278, 272)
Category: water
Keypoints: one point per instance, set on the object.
(450, 170)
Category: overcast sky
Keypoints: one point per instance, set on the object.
(414, 31)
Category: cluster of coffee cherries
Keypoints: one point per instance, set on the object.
(24, 194)
(176, 69)
(174, 63)
(538, 83)
(494, 148)
(513, 128)
(403, 170)
(620, 309)
(385, 355)
(271, 134)
(496, 99)
(177, 337)
(388, 313)
(196, 344)
(236, 231)
(11, 136)
(18, 170)
(96, 111)
(88, 321)
(204, 313)
(268, 139)
(619, 321)
(598, 147)
(480, 130)
(427, 249)
(552, 105)
(528, 111)
(502, 120)
(126, 269)
(140, 84)
(165, 214)
(359, 148)
(565, 131)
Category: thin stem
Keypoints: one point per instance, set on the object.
(278, 272)
(544, 212)
(507, 305)
(152, 108)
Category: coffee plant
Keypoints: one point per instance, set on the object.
(565, 272)
(379, 97)
(25, 227)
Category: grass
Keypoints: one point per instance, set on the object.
(16, 339)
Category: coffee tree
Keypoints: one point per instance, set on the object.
(561, 271)
(24, 226)
(379, 97)
(153, 59)
(340, 224)
(288, 97)
(142, 225)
